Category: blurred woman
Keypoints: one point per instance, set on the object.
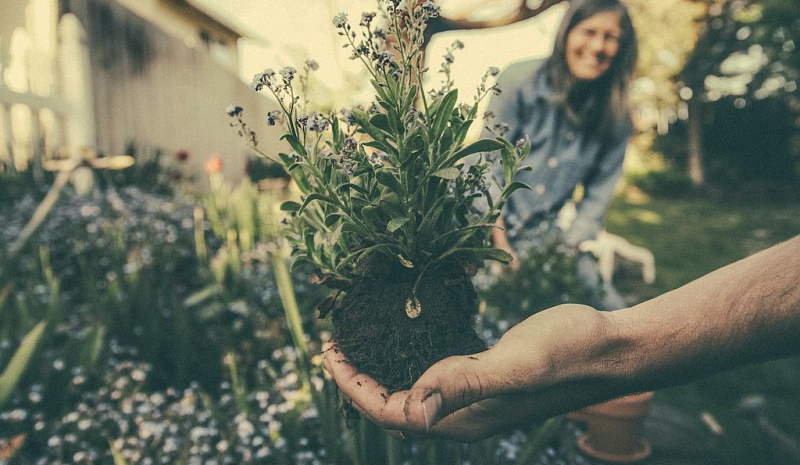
(573, 107)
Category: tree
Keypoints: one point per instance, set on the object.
(462, 16)
(746, 52)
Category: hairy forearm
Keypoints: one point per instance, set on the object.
(746, 312)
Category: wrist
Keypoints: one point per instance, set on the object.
(606, 359)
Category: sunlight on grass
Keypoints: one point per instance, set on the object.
(646, 216)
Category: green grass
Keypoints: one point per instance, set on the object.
(692, 237)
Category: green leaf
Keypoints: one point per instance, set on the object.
(482, 145)
(389, 180)
(202, 295)
(300, 261)
(482, 253)
(443, 113)
(513, 187)
(295, 144)
(316, 196)
(447, 173)
(396, 224)
(361, 254)
(363, 121)
(331, 219)
(460, 232)
(354, 228)
(380, 146)
(287, 160)
(379, 89)
(309, 242)
(391, 204)
(446, 140)
(290, 206)
(350, 185)
(337, 135)
(461, 134)
(410, 97)
(19, 362)
(94, 346)
(381, 121)
(370, 215)
(395, 125)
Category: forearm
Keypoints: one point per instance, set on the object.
(746, 312)
(499, 237)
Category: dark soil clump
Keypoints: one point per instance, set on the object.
(374, 332)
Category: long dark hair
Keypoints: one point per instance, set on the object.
(609, 91)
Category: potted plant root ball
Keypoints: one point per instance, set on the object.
(391, 215)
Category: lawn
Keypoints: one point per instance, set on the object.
(689, 238)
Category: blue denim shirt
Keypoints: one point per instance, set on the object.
(562, 156)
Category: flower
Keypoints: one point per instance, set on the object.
(494, 71)
(312, 65)
(233, 110)
(262, 79)
(287, 73)
(214, 164)
(382, 59)
(182, 155)
(367, 18)
(318, 123)
(274, 116)
(430, 9)
(340, 20)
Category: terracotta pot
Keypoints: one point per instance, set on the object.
(614, 429)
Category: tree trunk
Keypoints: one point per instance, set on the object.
(696, 170)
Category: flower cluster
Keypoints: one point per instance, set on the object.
(449, 59)
(184, 425)
(242, 128)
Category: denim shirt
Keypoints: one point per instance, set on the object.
(561, 157)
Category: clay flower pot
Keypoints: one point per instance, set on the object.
(614, 429)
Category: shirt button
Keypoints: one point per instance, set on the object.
(539, 189)
(552, 162)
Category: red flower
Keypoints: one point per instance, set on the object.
(182, 155)
(214, 164)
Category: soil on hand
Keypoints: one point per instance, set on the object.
(374, 332)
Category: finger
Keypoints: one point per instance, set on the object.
(367, 395)
(356, 407)
(448, 386)
(484, 419)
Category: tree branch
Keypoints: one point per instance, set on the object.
(523, 12)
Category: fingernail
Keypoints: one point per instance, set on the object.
(431, 406)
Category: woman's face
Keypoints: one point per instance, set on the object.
(592, 45)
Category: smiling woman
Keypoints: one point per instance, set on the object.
(573, 108)
(593, 44)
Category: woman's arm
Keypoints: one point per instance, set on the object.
(572, 356)
(598, 192)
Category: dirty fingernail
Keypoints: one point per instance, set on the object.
(431, 406)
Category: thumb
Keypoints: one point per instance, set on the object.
(448, 386)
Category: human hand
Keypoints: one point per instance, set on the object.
(538, 369)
